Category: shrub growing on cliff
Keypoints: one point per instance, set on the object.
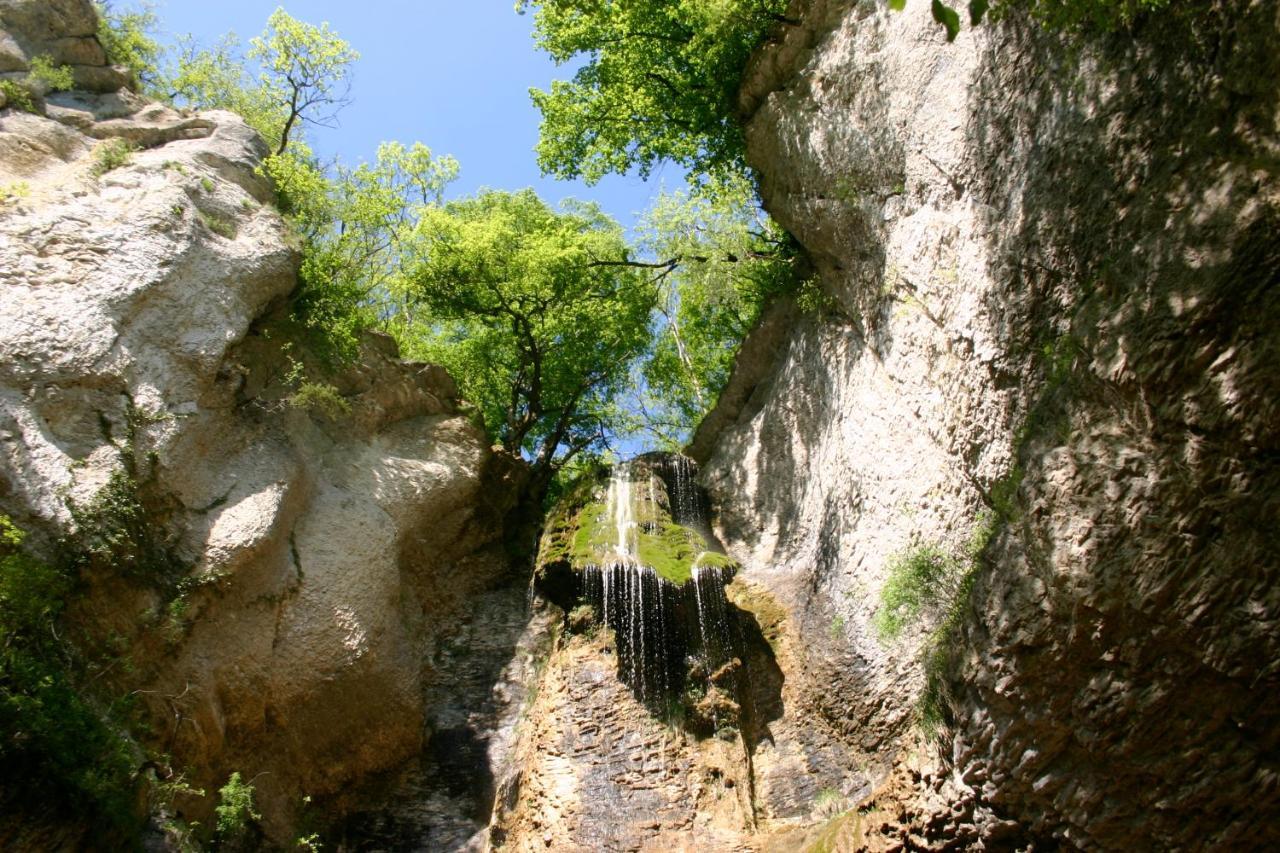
(43, 76)
(301, 78)
(126, 38)
(1056, 14)
(56, 751)
(235, 811)
(54, 78)
(319, 398)
(930, 582)
(111, 154)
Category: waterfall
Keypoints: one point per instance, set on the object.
(621, 508)
(638, 605)
(686, 500)
(665, 633)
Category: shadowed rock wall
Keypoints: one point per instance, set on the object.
(1053, 267)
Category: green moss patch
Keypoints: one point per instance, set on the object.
(580, 532)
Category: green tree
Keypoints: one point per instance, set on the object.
(218, 78)
(532, 313)
(126, 36)
(305, 71)
(360, 229)
(720, 259)
(659, 82)
(302, 76)
(296, 74)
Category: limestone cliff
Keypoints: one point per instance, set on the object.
(1046, 356)
(309, 560)
(1052, 266)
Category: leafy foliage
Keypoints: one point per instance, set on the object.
(114, 532)
(55, 748)
(54, 78)
(532, 314)
(111, 154)
(320, 398)
(42, 77)
(235, 809)
(304, 71)
(929, 581)
(126, 36)
(218, 78)
(920, 579)
(659, 83)
(17, 96)
(293, 73)
(721, 259)
(1056, 14)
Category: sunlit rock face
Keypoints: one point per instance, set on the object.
(1051, 265)
(323, 555)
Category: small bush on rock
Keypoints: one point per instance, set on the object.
(235, 810)
(930, 581)
(54, 78)
(320, 398)
(111, 154)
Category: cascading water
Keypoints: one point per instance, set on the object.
(670, 634)
(686, 499)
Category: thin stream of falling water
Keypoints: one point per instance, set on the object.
(640, 657)
(657, 624)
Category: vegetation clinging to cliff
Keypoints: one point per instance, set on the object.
(56, 749)
(1056, 14)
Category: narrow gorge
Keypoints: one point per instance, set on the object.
(977, 549)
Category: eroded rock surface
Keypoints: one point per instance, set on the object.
(1052, 267)
(323, 553)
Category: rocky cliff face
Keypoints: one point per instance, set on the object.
(1052, 267)
(306, 563)
(1051, 276)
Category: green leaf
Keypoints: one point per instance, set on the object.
(897, 5)
(978, 9)
(945, 15)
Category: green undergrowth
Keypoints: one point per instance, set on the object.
(44, 75)
(929, 583)
(110, 155)
(61, 753)
(67, 746)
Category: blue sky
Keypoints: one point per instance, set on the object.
(453, 75)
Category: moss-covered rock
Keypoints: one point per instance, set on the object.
(582, 530)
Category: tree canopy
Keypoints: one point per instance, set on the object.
(562, 335)
(528, 310)
(721, 259)
(302, 75)
(659, 83)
